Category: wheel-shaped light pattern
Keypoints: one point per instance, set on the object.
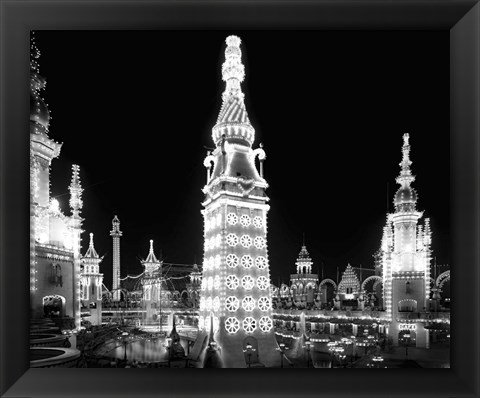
(232, 239)
(248, 303)
(210, 283)
(247, 282)
(265, 324)
(259, 242)
(246, 241)
(232, 324)
(204, 284)
(258, 222)
(232, 260)
(208, 304)
(202, 303)
(218, 240)
(232, 303)
(249, 324)
(245, 220)
(261, 262)
(262, 282)
(232, 218)
(232, 282)
(217, 261)
(246, 261)
(264, 303)
(216, 303)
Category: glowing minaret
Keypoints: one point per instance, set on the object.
(92, 281)
(115, 233)
(406, 256)
(236, 278)
(76, 204)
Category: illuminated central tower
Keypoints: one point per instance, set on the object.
(236, 278)
(406, 257)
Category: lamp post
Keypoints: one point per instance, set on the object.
(168, 346)
(378, 359)
(125, 337)
(407, 340)
(281, 347)
(307, 347)
(249, 349)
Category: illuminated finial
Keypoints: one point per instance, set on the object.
(151, 246)
(76, 191)
(405, 178)
(233, 71)
(91, 239)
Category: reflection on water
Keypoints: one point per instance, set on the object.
(151, 350)
(321, 359)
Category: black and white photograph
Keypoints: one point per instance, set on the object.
(240, 199)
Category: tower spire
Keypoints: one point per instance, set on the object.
(233, 122)
(91, 252)
(233, 71)
(405, 178)
(76, 202)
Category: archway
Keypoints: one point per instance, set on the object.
(327, 293)
(54, 306)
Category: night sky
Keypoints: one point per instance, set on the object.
(135, 109)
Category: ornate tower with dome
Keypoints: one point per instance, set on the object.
(304, 283)
(54, 237)
(91, 282)
(235, 287)
(406, 257)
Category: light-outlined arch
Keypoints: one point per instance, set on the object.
(327, 280)
(442, 278)
(376, 278)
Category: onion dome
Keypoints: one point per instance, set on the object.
(233, 122)
(39, 113)
(406, 195)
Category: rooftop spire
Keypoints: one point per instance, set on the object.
(233, 71)
(76, 202)
(151, 261)
(233, 122)
(405, 178)
(91, 253)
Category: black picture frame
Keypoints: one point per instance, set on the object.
(461, 18)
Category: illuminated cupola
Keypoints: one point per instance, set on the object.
(304, 262)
